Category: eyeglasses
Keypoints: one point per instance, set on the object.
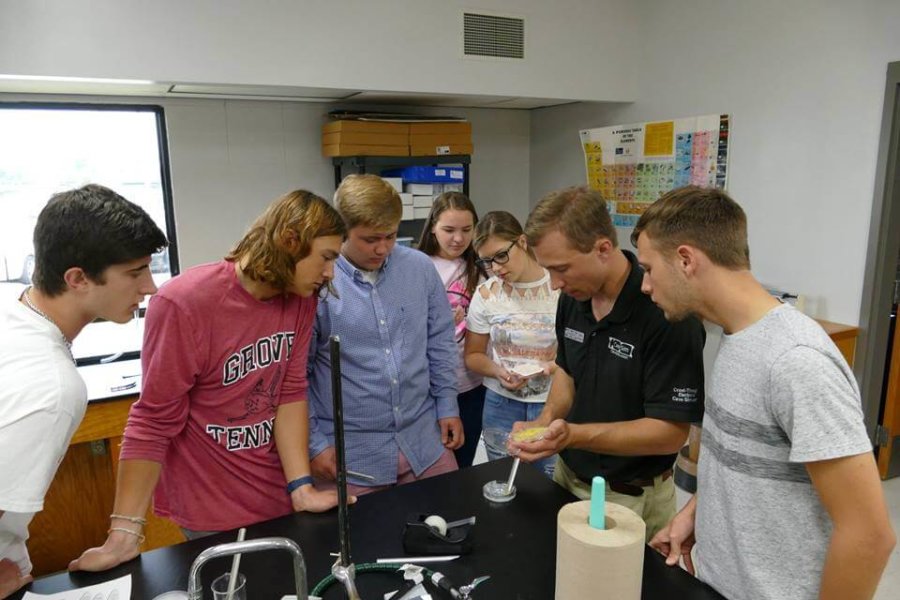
(501, 258)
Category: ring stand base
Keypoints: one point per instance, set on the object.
(496, 491)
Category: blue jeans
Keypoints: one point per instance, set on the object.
(501, 412)
(471, 408)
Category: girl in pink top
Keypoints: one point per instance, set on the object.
(447, 239)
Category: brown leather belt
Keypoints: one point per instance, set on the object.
(635, 487)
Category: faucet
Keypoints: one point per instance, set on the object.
(195, 588)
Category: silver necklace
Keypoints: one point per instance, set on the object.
(28, 302)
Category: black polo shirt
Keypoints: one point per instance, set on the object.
(631, 364)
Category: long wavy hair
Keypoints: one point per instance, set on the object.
(428, 242)
(283, 235)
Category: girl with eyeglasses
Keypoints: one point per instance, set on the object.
(447, 239)
(511, 337)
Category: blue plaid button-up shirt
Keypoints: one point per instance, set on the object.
(398, 366)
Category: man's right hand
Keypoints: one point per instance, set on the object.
(554, 439)
(324, 465)
(118, 548)
(521, 426)
(11, 579)
(676, 539)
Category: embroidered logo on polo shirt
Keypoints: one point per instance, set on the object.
(574, 334)
(684, 394)
(620, 348)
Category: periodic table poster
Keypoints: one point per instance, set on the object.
(633, 165)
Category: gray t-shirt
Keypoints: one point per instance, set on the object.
(781, 395)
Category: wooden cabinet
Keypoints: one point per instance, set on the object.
(80, 499)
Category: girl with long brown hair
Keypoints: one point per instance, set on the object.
(447, 239)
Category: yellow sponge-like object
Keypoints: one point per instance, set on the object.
(528, 435)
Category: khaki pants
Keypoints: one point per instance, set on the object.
(656, 505)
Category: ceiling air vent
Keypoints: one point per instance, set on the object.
(493, 36)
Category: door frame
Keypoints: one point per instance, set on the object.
(881, 257)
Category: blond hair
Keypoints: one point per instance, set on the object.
(268, 253)
(579, 213)
(368, 200)
(706, 218)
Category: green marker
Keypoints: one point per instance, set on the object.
(597, 518)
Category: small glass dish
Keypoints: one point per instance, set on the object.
(498, 491)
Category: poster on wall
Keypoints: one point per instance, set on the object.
(633, 165)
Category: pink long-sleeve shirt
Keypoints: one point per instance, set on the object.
(216, 365)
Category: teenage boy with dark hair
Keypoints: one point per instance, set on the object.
(788, 502)
(92, 255)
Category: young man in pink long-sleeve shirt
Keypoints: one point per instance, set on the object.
(224, 361)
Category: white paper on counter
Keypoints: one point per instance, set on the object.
(117, 589)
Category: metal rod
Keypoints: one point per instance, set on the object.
(359, 475)
(341, 459)
(512, 476)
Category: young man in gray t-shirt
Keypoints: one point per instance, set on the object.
(788, 503)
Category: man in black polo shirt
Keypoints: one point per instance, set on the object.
(629, 383)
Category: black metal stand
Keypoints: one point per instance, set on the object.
(342, 569)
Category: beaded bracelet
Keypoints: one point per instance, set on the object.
(137, 520)
(139, 536)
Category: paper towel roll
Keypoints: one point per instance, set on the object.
(600, 564)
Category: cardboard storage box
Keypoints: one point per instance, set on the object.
(441, 149)
(381, 138)
(437, 139)
(441, 127)
(421, 212)
(423, 201)
(406, 199)
(407, 213)
(348, 126)
(358, 150)
(440, 139)
(365, 138)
